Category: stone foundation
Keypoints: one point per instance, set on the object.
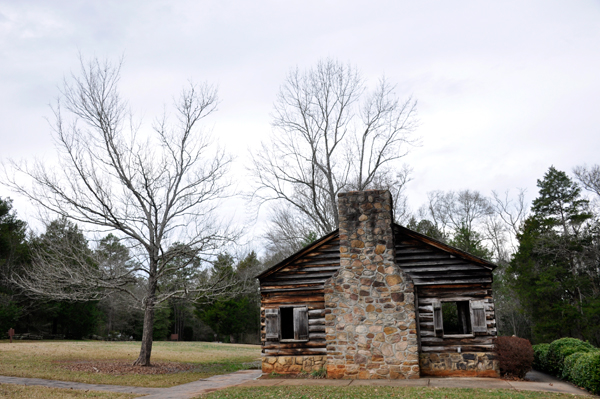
(469, 364)
(292, 364)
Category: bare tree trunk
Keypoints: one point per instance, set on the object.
(150, 301)
(146, 349)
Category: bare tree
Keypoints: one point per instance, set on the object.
(151, 188)
(589, 177)
(330, 134)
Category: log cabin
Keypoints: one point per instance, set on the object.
(374, 299)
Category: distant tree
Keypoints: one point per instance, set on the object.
(152, 189)
(555, 279)
(232, 317)
(589, 177)
(13, 241)
(331, 134)
(14, 254)
(470, 241)
(426, 227)
(116, 307)
(460, 218)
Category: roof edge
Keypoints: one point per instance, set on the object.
(445, 247)
(298, 254)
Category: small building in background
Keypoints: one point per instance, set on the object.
(374, 299)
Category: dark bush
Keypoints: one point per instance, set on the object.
(515, 356)
(560, 349)
(540, 357)
(585, 370)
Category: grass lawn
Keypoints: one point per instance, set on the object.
(320, 392)
(45, 359)
(34, 392)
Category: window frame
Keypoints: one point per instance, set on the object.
(438, 321)
(295, 327)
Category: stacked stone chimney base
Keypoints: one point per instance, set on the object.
(370, 302)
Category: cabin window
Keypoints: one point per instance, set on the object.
(451, 318)
(455, 316)
(294, 323)
(288, 323)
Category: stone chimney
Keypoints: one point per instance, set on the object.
(370, 302)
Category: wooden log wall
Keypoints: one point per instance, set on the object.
(437, 274)
(428, 294)
(428, 265)
(445, 276)
(302, 282)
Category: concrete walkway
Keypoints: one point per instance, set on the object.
(184, 391)
(538, 382)
(78, 385)
(248, 378)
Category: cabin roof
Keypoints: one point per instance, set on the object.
(307, 249)
(445, 247)
(404, 230)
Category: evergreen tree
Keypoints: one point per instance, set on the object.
(553, 276)
(14, 254)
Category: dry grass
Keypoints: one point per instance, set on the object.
(42, 359)
(34, 392)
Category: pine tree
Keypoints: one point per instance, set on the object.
(551, 273)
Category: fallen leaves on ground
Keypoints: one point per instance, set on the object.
(120, 367)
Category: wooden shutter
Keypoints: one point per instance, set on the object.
(478, 317)
(272, 324)
(301, 324)
(438, 322)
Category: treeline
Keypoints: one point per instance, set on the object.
(547, 285)
(116, 316)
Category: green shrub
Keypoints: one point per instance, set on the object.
(560, 349)
(540, 357)
(585, 372)
(569, 364)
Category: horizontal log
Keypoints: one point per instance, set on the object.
(457, 281)
(316, 328)
(317, 312)
(294, 345)
(295, 352)
(316, 261)
(290, 300)
(285, 289)
(440, 274)
(450, 277)
(454, 348)
(318, 306)
(440, 267)
(316, 335)
(458, 286)
(424, 292)
(427, 257)
(455, 341)
(423, 302)
(309, 269)
(314, 322)
(297, 279)
(412, 249)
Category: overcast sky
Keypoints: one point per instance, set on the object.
(504, 89)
